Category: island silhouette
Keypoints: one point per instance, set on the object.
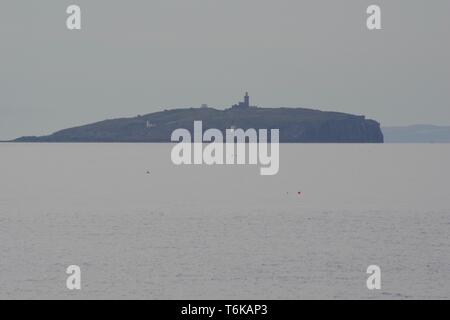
(296, 125)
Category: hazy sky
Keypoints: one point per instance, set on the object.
(135, 57)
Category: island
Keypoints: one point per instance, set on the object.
(296, 125)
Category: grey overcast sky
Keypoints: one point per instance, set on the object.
(135, 57)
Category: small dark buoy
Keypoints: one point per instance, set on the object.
(299, 193)
(148, 172)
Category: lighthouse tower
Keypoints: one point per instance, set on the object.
(244, 104)
(246, 100)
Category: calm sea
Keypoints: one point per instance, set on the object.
(141, 227)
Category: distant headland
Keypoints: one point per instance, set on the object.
(296, 125)
(418, 133)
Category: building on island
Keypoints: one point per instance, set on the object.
(245, 104)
